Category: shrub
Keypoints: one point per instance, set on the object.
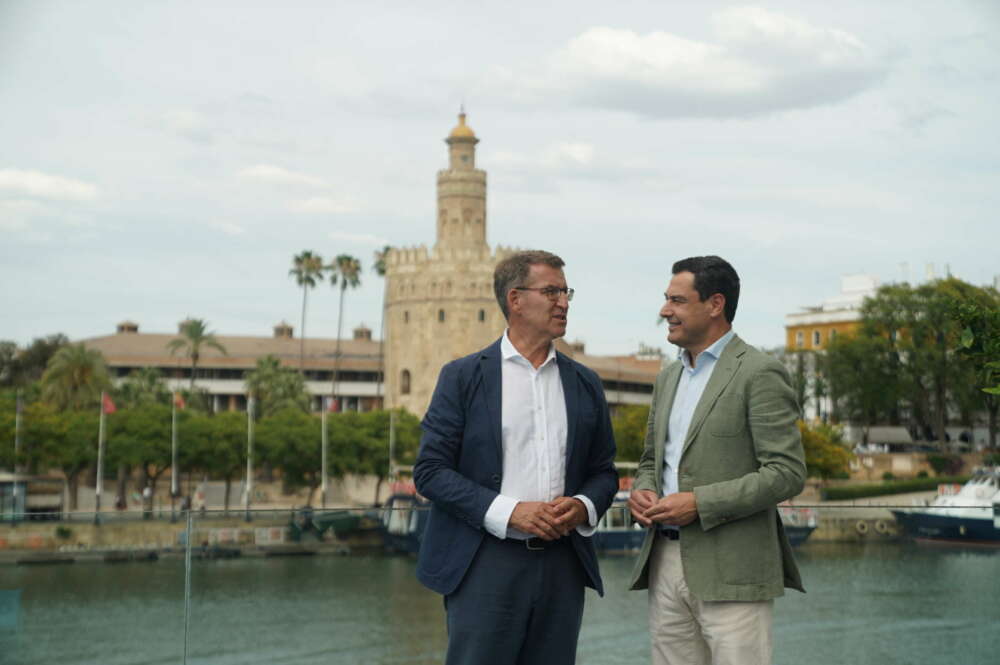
(888, 487)
(945, 464)
(888, 475)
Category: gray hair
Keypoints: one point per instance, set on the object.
(513, 271)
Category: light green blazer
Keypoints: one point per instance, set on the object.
(742, 456)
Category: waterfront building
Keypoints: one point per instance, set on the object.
(439, 306)
(816, 325)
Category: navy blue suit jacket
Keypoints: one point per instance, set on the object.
(460, 463)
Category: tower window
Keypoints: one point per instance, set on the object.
(482, 315)
(441, 315)
(404, 382)
(816, 338)
(406, 316)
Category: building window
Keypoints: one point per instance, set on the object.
(816, 338)
(441, 315)
(799, 339)
(404, 382)
(482, 315)
(833, 335)
(406, 316)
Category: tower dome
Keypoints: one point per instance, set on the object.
(462, 131)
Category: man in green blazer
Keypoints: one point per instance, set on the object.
(722, 450)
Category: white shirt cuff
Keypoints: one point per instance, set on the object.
(498, 515)
(587, 531)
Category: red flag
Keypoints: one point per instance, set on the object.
(334, 405)
(106, 404)
(179, 401)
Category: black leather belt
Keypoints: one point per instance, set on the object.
(670, 534)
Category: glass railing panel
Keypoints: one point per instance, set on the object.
(293, 587)
(75, 592)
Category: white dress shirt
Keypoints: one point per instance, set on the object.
(533, 433)
(689, 389)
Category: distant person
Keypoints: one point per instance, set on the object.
(517, 458)
(722, 450)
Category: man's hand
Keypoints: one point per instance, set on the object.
(537, 518)
(639, 501)
(571, 513)
(677, 509)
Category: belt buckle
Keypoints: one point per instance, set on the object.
(529, 546)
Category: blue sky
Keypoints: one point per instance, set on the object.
(166, 160)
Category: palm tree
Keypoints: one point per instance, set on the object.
(276, 387)
(380, 266)
(143, 386)
(194, 334)
(345, 271)
(307, 269)
(75, 377)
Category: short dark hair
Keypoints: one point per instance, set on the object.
(513, 271)
(713, 274)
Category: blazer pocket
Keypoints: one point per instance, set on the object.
(728, 418)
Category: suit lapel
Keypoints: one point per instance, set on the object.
(723, 372)
(489, 366)
(567, 375)
(663, 406)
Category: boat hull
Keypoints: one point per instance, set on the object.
(923, 525)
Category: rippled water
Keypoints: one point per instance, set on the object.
(883, 604)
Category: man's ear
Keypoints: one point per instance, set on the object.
(718, 302)
(513, 299)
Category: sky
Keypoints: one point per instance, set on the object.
(165, 160)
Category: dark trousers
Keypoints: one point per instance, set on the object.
(516, 606)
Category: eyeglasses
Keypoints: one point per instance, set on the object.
(550, 292)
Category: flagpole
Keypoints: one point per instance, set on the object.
(100, 464)
(173, 456)
(17, 453)
(392, 449)
(249, 481)
(323, 466)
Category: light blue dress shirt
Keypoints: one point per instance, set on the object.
(689, 389)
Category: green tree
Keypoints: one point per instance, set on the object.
(22, 367)
(379, 266)
(64, 440)
(345, 271)
(980, 342)
(143, 386)
(862, 373)
(75, 377)
(290, 441)
(139, 438)
(307, 269)
(217, 446)
(276, 388)
(827, 455)
(629, 425)
(194, 335)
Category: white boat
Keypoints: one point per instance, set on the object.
(969, 513)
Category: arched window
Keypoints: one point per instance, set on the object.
(482, 315)
(404, 382)
(441, 315)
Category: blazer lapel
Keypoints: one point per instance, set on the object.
(722, 374)
(663, 406)
(570, 386)
(489, 367)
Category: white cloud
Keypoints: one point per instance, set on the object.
(229, 228)
(35, 184)
(358, 238)
(321, 205)
(277, 175)
(189, 124)
(759, 62)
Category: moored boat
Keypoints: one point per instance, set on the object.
(799, 523)
(962, 514)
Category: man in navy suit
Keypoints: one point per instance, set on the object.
(517, 458)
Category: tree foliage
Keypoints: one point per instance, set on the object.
(276, 388)
(194, 334)
(75, 377)
(827, 455)
(629, 426)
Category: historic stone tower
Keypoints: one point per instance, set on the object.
(439, 302)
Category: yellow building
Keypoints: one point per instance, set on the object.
(814, 327)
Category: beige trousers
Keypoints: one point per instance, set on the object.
(687, 631)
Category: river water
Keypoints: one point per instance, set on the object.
(883, 604)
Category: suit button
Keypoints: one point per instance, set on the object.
(496, 478)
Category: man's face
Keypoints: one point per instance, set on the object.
(687, 315)
(536, 313)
